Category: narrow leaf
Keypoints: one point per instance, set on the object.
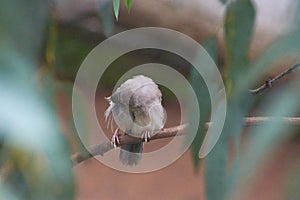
(223, 1)
(200, 88)
(265, 139)
(128, 4)
(106, 17)
(116, 8)
(215, 170)
(238, 26)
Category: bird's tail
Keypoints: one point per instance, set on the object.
(131, 154)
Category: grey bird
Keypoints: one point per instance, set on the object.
(136, 109)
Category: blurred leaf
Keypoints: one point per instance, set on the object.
(200, 88)
(128, 4)
(282, 48)
(220, 180)
(211, 46)
(106, 16)
(117, 8)
(31, 142)
(34, 146)
(296, 24)
(265, 138)
(12, 13)
(17, 18)
(223, 1)
(71, 50)
(215, 170)
(51, 42)
(239, 22)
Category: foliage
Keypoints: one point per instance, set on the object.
(239, 76)
(116, 8)
(34, 155)
(204, 102)
(116, 4)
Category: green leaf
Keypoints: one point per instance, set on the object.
(128, 4)
(238, 26)
(200, 88)
(70, 51)
(106, 17)
(215, 170)
(31, 143)
(223, 1)
(265, 139)
(116, 8)
(283, 47)
(30, 44)
(239, 22)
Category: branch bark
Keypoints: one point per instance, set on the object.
(105, 146)
(269, 83)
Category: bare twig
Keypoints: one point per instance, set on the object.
(269, 83)
(103, 147)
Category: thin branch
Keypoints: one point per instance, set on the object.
(105, 146)
(269, 83)
(255, 121)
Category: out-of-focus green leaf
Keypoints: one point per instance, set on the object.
(211, 46)
(239, 22)
(33, 144)
(106, 17)
(200, 88)
(218, 180)
(215, 170)
(116, 8)
(16, 34)
(12, 13)
(71, 49)
(282, 48)
(223, 1)
(265, 138)
(30, 140)
(128, 4)
(296, 15)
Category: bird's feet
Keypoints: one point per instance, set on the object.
(146, 136)
(115, 138)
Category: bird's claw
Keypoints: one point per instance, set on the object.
(115, 138)
(146, 136)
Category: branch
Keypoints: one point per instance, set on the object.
(269, 83)
(105, 146)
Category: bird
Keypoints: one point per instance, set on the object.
(136, 108)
